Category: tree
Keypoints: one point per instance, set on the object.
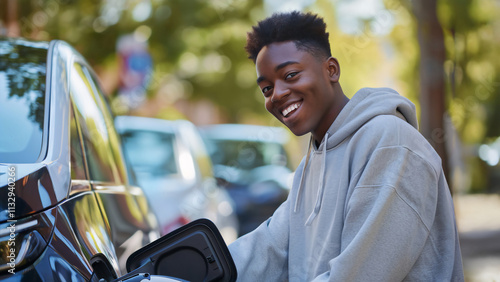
(432, 80)
(197, 46)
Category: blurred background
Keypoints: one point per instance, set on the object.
(184, 59)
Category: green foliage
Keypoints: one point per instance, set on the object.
(198, 55)
(472, 37)
(197, 46)
(365, 57)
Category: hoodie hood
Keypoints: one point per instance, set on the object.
(366, 104)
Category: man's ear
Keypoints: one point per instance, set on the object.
(333, 69)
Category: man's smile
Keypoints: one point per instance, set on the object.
(291, 108)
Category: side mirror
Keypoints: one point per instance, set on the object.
(193, 252)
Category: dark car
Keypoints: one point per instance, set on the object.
(251, 162)
(64, 191)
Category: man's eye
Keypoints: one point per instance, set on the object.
(290, 75)
(266, 89)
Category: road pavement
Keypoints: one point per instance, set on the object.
(478, 220)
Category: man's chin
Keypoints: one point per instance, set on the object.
(297, 131)
(294, 129)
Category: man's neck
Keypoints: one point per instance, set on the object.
(338, 106)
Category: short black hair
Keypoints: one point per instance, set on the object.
(308, 31)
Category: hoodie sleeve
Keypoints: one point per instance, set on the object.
(262, 255)
(388, 217)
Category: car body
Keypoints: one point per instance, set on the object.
(63, 179)
(170, 162)
(251, 162)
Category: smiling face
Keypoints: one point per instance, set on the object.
(300, 89)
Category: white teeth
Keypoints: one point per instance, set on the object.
(290, 108)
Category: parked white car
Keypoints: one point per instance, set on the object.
(170, 162)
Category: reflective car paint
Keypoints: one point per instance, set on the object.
(76, 218)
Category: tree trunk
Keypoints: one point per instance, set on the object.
(432, 77)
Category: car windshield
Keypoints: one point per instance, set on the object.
(150, 152)
(247, 154)
(22, 100)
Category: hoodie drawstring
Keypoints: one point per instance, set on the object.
(321, 189)
(319, 197)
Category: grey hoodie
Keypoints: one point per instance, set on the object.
(369, 204)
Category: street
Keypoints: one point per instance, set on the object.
(478, 220)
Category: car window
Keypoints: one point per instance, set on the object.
(101, 164)
(150, 153)
(248, 154)
(22, 101)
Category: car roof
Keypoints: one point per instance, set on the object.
(246, 132)
(125, 123)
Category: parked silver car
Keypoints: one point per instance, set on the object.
(170, 162)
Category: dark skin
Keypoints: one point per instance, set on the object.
(301, 90)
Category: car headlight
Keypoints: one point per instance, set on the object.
(22, 241)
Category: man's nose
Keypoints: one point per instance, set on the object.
(280, 91)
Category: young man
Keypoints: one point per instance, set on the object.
(369, 201)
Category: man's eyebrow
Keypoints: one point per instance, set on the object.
(277, 68)
(282, 65)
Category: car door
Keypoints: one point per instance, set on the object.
(124, 206)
